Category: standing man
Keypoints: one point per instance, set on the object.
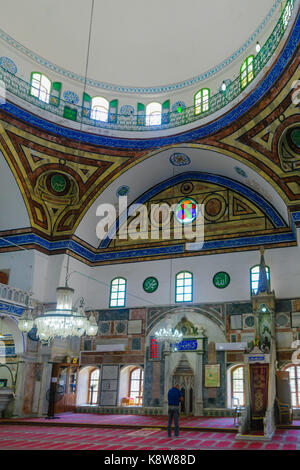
(174, 398)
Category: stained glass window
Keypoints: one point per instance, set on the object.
(202, 101)
(40, 86)
(254, 278)
(184, 287)
(117, 292)
(247, 71)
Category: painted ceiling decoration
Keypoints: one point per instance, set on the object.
(59, 178)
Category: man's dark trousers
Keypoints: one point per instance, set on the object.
(173, 412)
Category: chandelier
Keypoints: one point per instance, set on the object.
(62, 322)
(171, 335)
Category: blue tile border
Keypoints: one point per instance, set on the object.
(150, 143)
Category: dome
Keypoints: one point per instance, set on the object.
(136, 43)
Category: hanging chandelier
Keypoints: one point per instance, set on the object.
(169, 334)
(62, 322)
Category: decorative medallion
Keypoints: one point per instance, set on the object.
(186, 188)
(186, 211)
(120, 327)
(8, 65)
(249, 321)
(221, 280)
(71, 97)
(122, 191)
(179, 159)
(240, 172)
(58, 182)
(150, 284)
(214, 207)
(104, 328)
(127, 110)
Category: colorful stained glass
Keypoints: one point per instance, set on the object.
(186, 211)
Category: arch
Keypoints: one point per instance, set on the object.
(238, 187)
(83, 387)
(236, 385)
(40, 86)
(153, 114)
(117, 294)
(99, 109)
(124, 384)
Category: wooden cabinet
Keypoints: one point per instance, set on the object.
(66, 375)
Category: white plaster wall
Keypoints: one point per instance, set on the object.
(20, 265)
(93, 283)
(11, 218)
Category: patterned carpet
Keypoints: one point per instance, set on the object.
(189, 422)
(15, 437)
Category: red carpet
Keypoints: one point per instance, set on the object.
(59, 438)
(88, 419)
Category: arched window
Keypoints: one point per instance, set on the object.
(202, 100)
(294, 379)
(99, 109)
(136, 385)
(184, 287)
(40, 86)
(153, 114)
(237, 386)
(117, 292)
(93, 387)
(247, 71)
(254, 277)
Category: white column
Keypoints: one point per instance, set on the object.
(168, 379)
(199, 385)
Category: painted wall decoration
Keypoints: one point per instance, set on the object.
(240, 172)
(123, 191)
(179, 159)
(150, 284)
(71, 97)
(226, 213)
(212, 375)
(127, 110)
(221, 280)
(8, 64)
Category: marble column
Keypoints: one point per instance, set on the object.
(168, 380)
(19, 390)
(199, 385)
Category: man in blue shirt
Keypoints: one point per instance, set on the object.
(174, 398)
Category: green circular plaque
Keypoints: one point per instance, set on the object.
(221, 280)
(58, 183)
(150, 284)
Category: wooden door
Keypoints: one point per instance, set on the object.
(66, 375)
